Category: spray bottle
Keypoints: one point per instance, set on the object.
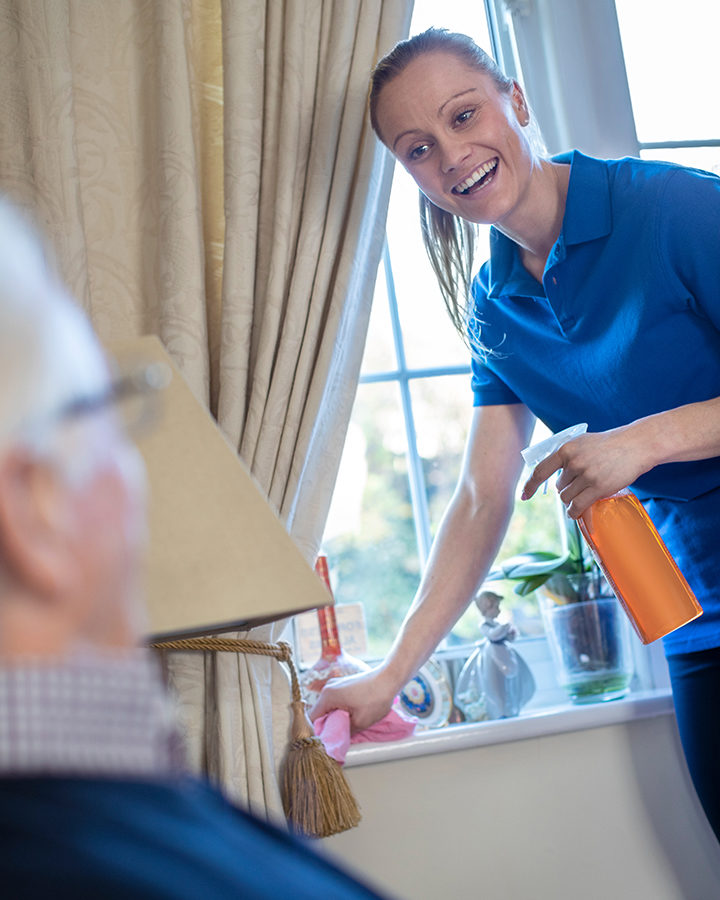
(631, 554)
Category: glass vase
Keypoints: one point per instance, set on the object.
(589, 637)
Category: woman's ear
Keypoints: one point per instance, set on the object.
(33, 524)
(517, 98)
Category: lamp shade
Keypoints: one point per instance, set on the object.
(219, 559)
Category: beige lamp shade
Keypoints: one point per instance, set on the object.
(219, 559)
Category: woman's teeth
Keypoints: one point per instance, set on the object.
(479, 174)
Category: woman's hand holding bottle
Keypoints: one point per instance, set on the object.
(592, 466)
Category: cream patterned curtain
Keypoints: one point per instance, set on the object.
(205, 172)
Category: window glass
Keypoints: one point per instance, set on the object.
(465, 16)
(429, 336)
(534, 526)
(707, 158)
(442, 407)
(379, 355)
(370, 533)
(671, 58)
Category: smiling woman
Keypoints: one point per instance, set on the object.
(546, 320)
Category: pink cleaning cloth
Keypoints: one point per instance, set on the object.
(333, 729)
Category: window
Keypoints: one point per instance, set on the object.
(409, 423)
(667, 74)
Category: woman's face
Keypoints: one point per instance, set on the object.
(459, 137)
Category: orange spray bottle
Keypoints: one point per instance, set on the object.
(631, 554)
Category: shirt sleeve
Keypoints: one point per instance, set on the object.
(487, 387)
(689, 238)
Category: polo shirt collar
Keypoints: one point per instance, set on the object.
(587, 210)
(587, 216)
(506, 273)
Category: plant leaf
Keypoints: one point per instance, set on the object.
(507, 567)
(530, 565)
(574, 539)
(528, 585)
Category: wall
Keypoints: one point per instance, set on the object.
(602, 813)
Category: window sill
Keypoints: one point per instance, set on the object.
(536, 723)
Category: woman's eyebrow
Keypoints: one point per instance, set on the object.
(403, 134)
(455, 97)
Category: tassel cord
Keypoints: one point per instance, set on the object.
(316, 797)
(282, 651)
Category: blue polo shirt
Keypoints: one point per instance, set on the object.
(625, 323)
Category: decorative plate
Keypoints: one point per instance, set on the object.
(427, 696)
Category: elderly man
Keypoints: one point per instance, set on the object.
(94, 801)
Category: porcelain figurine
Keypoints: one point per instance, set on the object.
(495, 682)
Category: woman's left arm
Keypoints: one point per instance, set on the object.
(599, 464)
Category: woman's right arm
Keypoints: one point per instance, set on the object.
(465, 547)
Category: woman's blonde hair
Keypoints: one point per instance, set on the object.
(448, 239)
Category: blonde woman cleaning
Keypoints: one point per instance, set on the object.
(600, 303)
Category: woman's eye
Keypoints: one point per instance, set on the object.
(464, 116)
(418, 151)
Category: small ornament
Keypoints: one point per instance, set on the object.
(495, 682)
(333, 661)
(469, 696)
(427, 696)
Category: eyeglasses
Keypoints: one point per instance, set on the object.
(134, 394)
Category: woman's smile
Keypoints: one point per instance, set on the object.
(480, 178)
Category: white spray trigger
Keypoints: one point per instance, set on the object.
(536, 453)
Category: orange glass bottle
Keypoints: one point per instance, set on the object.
(334, 662)
(639, 567)
(631, 554)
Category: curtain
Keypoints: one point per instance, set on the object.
(205, 172)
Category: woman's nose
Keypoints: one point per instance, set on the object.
(452, 154)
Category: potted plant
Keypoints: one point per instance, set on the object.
(587, 630)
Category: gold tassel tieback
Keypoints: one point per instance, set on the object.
(316, 797)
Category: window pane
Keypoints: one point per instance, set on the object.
(379, 355)
(370, 535)
(670, 51)
(428, 334)
(442, 407)
(465, 16)
(707, 158)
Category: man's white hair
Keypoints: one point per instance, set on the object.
(48, 353)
